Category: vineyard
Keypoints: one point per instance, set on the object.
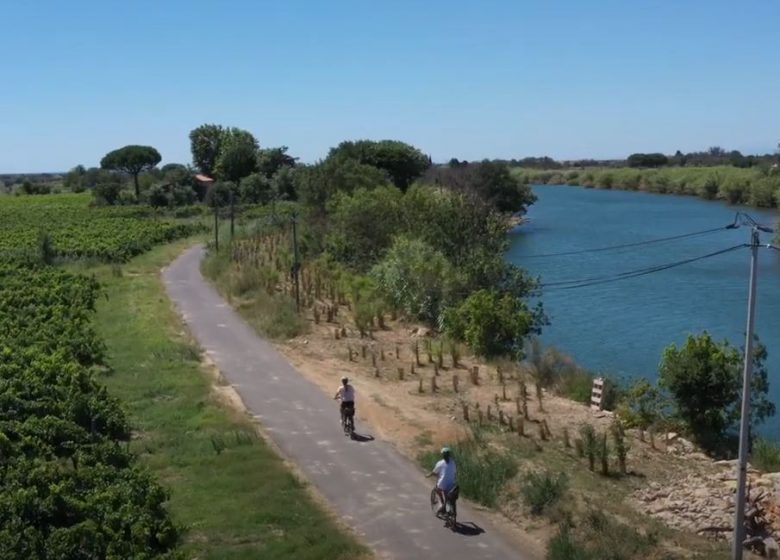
(69, 485)
(76, 231)
(68, 488)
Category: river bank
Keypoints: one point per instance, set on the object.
(757, 186)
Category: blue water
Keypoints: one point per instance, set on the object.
(622, 327)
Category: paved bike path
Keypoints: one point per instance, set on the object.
(372, 487)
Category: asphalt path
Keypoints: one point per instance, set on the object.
(374, 489)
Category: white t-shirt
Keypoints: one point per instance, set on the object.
(347, 394)
(446, 472)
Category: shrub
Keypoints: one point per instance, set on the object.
(416, 279)
(541, 491)
(107, 193)
(563, 546)
(491, 323)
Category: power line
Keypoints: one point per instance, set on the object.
(628, 245)
(585, 282)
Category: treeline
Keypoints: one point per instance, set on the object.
(712, 157)
(69, 488)
(755, 186)
(403, 238)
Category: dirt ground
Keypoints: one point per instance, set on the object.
(408, 414)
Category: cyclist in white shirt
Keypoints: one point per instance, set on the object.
(445, 470)
(346, 393)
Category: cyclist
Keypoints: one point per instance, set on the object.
(346, 394)
(445, 470)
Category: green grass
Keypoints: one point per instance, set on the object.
(271, 314)
(230, 491)
(765, 455)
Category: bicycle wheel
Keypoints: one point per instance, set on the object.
(434, 501)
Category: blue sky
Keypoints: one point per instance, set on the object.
(470, 80)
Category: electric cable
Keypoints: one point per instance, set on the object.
(585, 282)
(733, 225)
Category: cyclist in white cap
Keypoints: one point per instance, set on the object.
(445, 470)
(346, 394)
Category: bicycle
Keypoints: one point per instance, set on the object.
(450, 513)
(348, 420)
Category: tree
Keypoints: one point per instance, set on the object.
(495, 184)
(362, 225)
(132, 160)
(271, 160)
(493, 324)
(704, 379)
(237, 157)
(416, 279)
(402, 162)
(316, 184)
(647, 160)
(206, 145)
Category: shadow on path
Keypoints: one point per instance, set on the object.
(362, 438)
(468, 529)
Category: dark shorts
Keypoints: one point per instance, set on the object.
(348, 408)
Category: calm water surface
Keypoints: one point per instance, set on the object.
(622, 327)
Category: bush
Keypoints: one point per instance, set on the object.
(416, 279)
(107, 193)
(540, 491)
(563, 546)
(491, 323)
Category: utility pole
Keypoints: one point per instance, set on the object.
(296, 264)
(216, 226)
(232, 214)
(744, 427)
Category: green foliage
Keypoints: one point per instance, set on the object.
(600, 537)
(255, 189)
(753, 185)
(66, 484)
(402, 162)
(492, 182)
(416, 279)
(107, 193)
(271, 160)
(316, 184)
(765, 455)
(132, 160)
(77, 231)
(542, 490)
(647, 160)
(704, 379)
(493, 324)
(362, 225)
(643, 405)
(206, 145)
(482, 471)
(237, 155)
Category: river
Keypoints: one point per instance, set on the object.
(622, 327)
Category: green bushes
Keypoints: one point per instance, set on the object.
(542, 490)
(66, 485)
(492, 324)
(416, 279)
